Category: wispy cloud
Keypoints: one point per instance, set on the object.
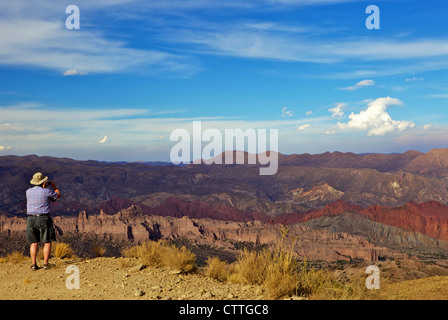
(242, 40)
(287, 113)
(414, 79)
(337, 111)
(303, 127)
(440, 95)
(359, 85)
(104, 140)
(74, 72)
(46, 43)
(41, 40)
(132, 133)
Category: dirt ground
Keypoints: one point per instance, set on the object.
(113, 279)
(125, 279)
(432, 288)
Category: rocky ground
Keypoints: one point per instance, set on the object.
(114, 279)
(111, 278)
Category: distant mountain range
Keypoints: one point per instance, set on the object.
(303, 182)
(407, 192)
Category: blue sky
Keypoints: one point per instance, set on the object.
(136, 70)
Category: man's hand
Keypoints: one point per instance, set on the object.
(53, 185)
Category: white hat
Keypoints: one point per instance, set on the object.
(38, 179)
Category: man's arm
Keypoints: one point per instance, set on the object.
(56, 189)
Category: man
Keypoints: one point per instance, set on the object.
(39, 225)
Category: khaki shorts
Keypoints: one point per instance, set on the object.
(40, 229)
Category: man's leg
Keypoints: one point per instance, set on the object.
(33, 252)
(47, 250)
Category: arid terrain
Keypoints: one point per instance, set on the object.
(113, 279)
(110, 278)
(339, 211)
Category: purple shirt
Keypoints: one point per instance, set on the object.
(38, 200)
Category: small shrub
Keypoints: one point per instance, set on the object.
(61, 250)
(250, 268)
(130, 252)
(326, 287)
(281, 274)
(98, 251)
(278, 285)
(161, 254)
(15, 257)
(217, 269)
(179, 259)
(149, 253)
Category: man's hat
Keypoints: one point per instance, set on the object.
(38, 179)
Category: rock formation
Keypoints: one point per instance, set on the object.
(131, 224)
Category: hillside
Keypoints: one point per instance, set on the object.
(380, 234)
(223, 236)
(407, 206)
(428, 218)
(302, 183)
(377, 161)
(435, 162)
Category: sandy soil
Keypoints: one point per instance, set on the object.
(113, 279)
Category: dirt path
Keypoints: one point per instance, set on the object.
(113, 279)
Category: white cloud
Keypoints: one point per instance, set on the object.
(48, 44)
(365, 83)
(375, 120)
(414, 79)
(443, 95)
(309, 112)
(287, 113)
(330, 132)
(40, 39)
(360, 84)
(104, 140)
(303, 127)
(139, 134)
(241, 40)
(74, 72)
(337, 111)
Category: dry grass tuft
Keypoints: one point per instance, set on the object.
(275, 270)
(162, 254)
(14, 257)
(180, 259)
(281, 274)
(250, 268)
(59, 250)
(217, 269)
(98, 251)
(62, 250)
